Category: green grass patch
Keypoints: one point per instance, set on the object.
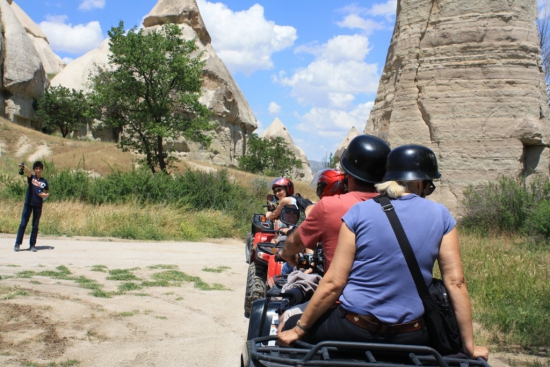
(178, 276)
(156, 283)
(25, 274)
(100, 293)
(121, 274)
(129, 286)
(219, 269)
(62, 273)
(163, 266)
(87, 283)
(141, 294)
(128, 313)
(99, 268)
(12, 266)
(15, 293)
(509, 283)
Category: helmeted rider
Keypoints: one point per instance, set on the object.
(364, 163)
(283, 189)
(328, 182)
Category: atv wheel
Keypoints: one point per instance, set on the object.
(248, 246)
(255, 286)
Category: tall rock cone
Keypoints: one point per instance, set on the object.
(277, 129)
(344, 144)
(466, 79)
(51, 62)
(220, 93)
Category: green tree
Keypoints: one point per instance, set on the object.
(268, 156)
(330, 161)
(62, 108)
(150, 91)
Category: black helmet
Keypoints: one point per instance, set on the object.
(365, 158)
(411, 163)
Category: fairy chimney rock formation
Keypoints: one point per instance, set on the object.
(466, 79)
(23, 76)
(220, 93)
(51, 62)
(344, 144)
(278, 130)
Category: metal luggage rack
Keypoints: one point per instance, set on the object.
(351, 354)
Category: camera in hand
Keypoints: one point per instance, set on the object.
(21, 168)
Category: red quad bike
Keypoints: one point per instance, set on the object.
(261, 253)
(260, 348)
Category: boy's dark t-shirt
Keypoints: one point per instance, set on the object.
(36, 186)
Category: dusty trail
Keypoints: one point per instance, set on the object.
(49, 318)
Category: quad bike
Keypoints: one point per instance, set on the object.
(262, 255)
(260, 348)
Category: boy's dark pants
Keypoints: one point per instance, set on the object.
(36, 212)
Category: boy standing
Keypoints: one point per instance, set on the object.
(37, 192)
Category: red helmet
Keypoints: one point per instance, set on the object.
(283, 182)
(329, 182)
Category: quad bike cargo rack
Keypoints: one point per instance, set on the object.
(262, 351)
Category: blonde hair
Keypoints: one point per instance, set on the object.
(392, 189)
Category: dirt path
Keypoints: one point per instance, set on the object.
(52, 317)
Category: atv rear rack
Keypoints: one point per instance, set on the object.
(262, 352)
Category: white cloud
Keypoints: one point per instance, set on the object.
(367, 25)
(75, 39)
(241, 49)
(327, 122)
(91, 4)
(386, 9)
(67, 60)
(274, 108)
(336, 75)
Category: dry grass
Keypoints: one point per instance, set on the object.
(132, 221)
(99, 157)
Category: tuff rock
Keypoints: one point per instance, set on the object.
(278, 130)
(23, 76)
(220, 93)
(466, 79)
(344, 144)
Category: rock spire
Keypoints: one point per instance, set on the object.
(278, 129)
(466, 79)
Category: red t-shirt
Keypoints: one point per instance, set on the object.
(325, 219)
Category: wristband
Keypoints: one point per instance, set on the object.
(301, 327)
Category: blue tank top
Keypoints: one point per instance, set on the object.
(380, 283)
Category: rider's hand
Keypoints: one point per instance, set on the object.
(291, 260)
(286, 338)
(479, 351)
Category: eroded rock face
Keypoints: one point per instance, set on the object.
(278, 130)
(23, 76)
(51, 62)
(465, 78)
(344, 144)
(220, 93)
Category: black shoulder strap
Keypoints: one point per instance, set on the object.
(408, 253)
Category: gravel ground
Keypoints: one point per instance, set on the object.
(46, 320)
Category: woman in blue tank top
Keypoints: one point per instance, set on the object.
(369, 275)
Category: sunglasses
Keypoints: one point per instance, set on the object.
(429, 187)
(277, 190)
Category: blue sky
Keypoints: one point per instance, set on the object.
(314, 64)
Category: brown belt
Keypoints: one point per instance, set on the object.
(371, 323)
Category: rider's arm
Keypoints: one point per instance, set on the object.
(329, 289)
(450, 266)
(275, 214)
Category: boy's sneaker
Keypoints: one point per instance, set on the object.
(33, 249)
(16, 247)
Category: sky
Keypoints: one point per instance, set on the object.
(314, 64)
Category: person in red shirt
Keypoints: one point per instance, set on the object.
(364, 165)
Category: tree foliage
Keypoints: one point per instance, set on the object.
(151, 90)
(269, 156)
(62, 108)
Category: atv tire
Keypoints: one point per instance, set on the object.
(248, 246)
(255, 286)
